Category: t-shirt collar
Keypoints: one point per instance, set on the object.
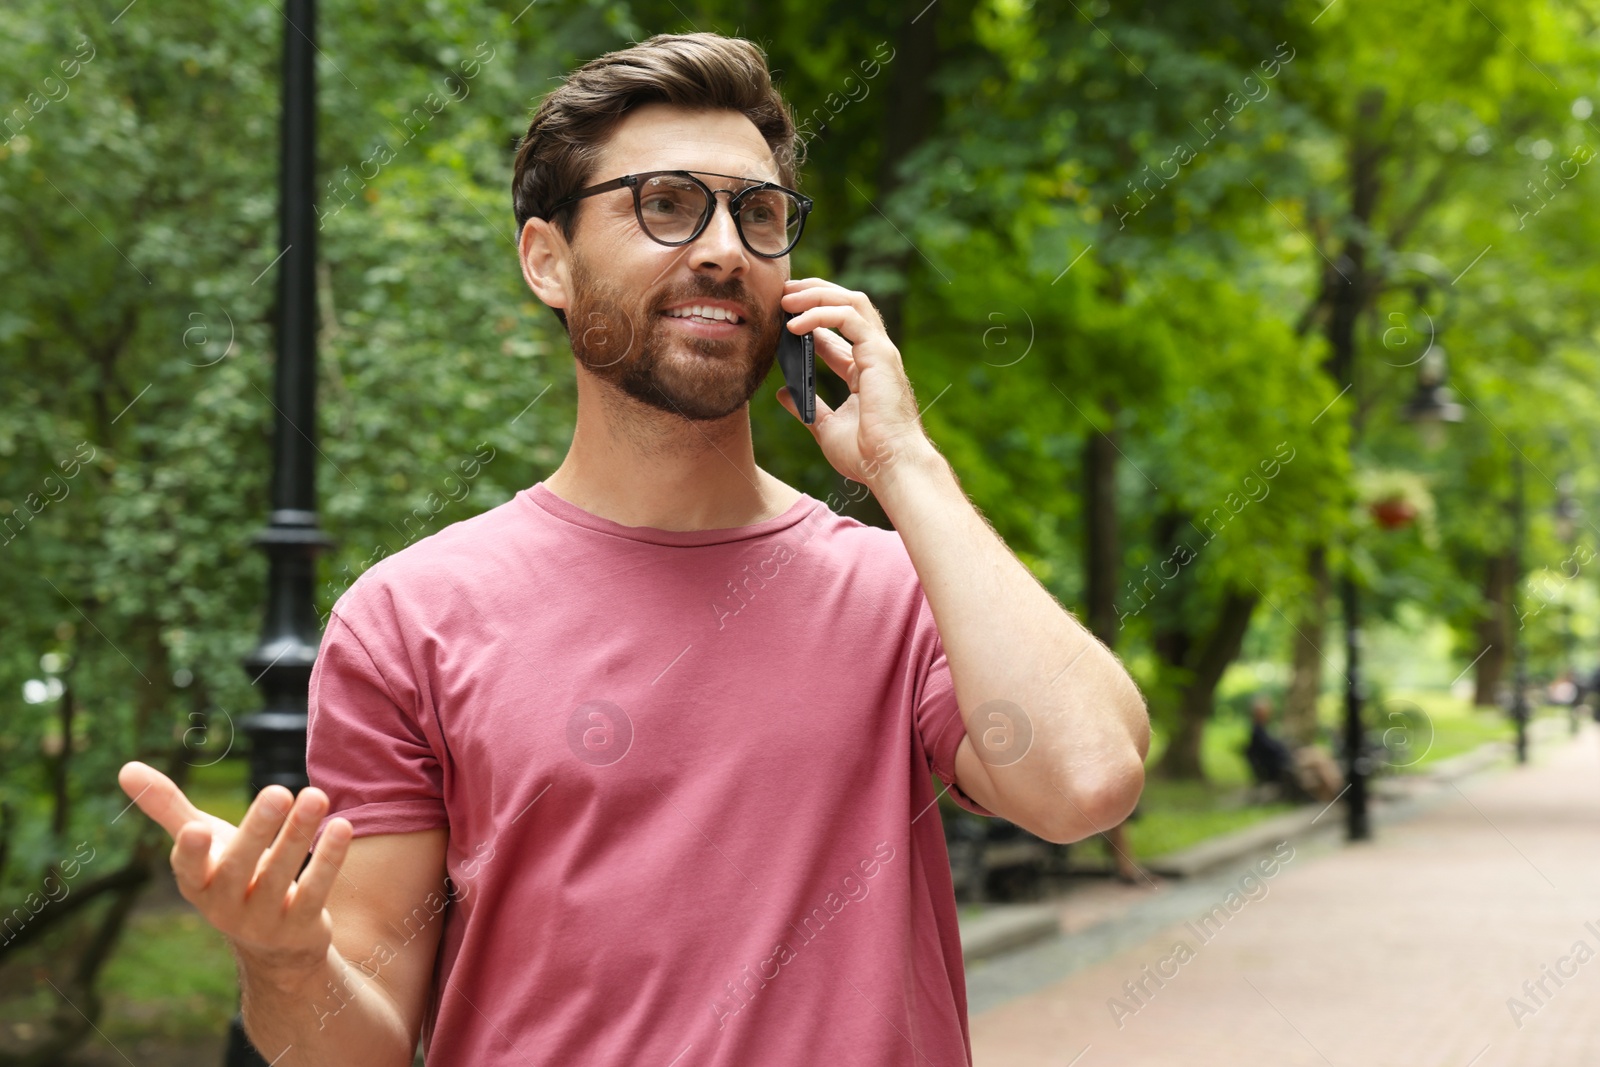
(540, 495)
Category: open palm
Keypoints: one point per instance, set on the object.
(243, 878)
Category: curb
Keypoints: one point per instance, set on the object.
(1003, 927)
(1228, 848)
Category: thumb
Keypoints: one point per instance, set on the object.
(157, 796)
(789, 405)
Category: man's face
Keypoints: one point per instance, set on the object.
(623, 284)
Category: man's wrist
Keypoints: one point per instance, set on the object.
(287, 976)
(908, 466)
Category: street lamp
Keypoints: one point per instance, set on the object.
(281, 662)
(1431, 405)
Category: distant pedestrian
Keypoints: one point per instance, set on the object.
(1270, 759)
(1301, 773)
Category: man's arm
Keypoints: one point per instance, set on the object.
(364, 1001)
(1006, 639)
(335, 964)
(1004, 636)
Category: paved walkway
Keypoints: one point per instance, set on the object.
(1402, 952)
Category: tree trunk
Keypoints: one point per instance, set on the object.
(910, 118)
(1101, 560)
(1181, 758)
(1348, 285)
(1494, 629)
(1197, 699)
(1306, 640)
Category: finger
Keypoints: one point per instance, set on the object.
(260, 825)
(824, 409)
(282, 861)
(837, 354)
(868, 341)
(191, 857)
(800, 296)
(825, 293)
(786, 401)
(810, 293)
(312, 887)
(158, 796)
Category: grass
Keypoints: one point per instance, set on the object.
(1442, 725)
(1174, 815)
(172, 976)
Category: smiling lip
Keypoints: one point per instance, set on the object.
(710, 329)
(704, 328)
(722, 305)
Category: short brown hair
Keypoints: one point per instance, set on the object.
(703, 71)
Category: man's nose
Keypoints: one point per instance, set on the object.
(718, 250)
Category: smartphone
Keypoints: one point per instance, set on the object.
(796, 355)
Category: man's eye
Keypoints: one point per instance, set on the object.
(661, 205)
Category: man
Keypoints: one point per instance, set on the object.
(634, 768)
(1270, 759)
(1302, 773)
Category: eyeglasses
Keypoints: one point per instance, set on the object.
(674, 207)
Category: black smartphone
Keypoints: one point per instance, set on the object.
(796, 356)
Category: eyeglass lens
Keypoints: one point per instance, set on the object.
(671, 208)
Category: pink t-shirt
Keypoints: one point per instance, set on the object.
(686, 779)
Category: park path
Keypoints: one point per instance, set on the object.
(1401, 952)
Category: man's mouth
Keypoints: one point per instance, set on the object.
(704, 313)
(705, 321)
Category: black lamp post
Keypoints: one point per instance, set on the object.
(280, 665)
(1357, 766)
(1431, 404)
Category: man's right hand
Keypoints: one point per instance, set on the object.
(244, 879)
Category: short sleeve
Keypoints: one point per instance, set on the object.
(364, 747)
(938, 715)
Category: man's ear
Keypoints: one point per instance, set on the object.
(545, 255)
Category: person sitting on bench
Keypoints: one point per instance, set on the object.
(1270, 759)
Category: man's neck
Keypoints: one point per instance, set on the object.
(638, 466)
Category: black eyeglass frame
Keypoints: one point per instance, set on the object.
(633, 181)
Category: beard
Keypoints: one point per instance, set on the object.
(627, 342)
